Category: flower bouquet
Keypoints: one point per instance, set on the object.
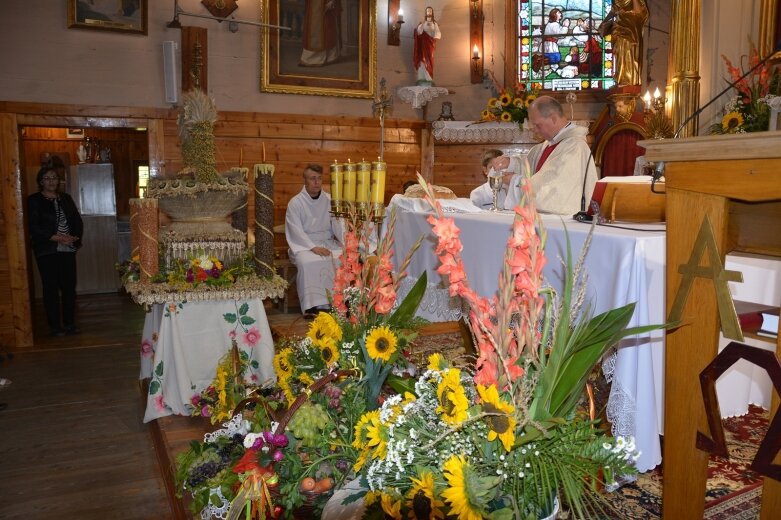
(749, 110)
(327, 381)
(508, 104)
(508, 440)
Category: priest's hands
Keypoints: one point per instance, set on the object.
(322, 251)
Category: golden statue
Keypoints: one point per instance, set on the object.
(625, 23)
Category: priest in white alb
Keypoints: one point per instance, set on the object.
(563, 172)
(314, 239)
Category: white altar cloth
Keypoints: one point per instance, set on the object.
(623, 266)
(182, 343)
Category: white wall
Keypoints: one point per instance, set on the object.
(41, 60)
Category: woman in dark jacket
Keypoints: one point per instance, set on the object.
(56, 229)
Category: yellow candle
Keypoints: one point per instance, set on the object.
(378, 182)
(364, 180)
(349, 181)
(337, 178)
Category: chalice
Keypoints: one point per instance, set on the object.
(495, 181)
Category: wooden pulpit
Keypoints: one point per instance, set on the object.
(723, 193)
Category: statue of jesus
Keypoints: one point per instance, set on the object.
(426, 35)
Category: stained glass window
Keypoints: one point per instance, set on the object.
(559, 47)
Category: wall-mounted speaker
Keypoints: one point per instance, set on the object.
(170, 74)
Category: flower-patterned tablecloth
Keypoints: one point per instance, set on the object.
(182, 343)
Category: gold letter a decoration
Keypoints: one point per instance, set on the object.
(706, 242)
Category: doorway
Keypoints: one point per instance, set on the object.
(100, 184)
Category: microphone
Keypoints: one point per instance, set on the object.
(582, 215)
(727, 89)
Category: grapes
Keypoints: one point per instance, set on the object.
(308, 422)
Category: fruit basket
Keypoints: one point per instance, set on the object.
(301, 419)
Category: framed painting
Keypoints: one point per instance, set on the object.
(323, 48)
(129, 16)
(74, 133)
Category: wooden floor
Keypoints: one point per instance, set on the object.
(72, 444)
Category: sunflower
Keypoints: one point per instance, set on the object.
(381, 343)
(486, 114)
(377, 437)
(452, 398)
(323, 327)
(506, 116)
(282, 364)
(436, 362)
(421, 500)
(518, 102)
(491, 102)
(305, 378)
(506, 99)
(283, 382)
(391, 507)
(457, 473)
(359, 442)
(529, 99)
(732, 122)
(359, 462)
(328, 350)
(502, 425)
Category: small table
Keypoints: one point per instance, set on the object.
(183, 342)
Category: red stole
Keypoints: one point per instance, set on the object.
(544, 157)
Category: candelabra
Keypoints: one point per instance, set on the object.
(657, 124)
(358, 189)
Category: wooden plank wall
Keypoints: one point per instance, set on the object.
(293, 141)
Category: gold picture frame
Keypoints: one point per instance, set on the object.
(342, 56)
(127, 16)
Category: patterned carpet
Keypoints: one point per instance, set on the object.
(733, 491)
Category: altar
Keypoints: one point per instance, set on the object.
(183, 342)
(624, 265)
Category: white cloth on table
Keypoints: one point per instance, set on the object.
(558, 186)
(421, 205)
(308, 224)
(183, 342)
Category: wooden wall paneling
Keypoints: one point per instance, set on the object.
(457, 166)
(291, 142)
(13, 231)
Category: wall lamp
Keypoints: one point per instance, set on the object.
(395, 19)
(476, 40)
